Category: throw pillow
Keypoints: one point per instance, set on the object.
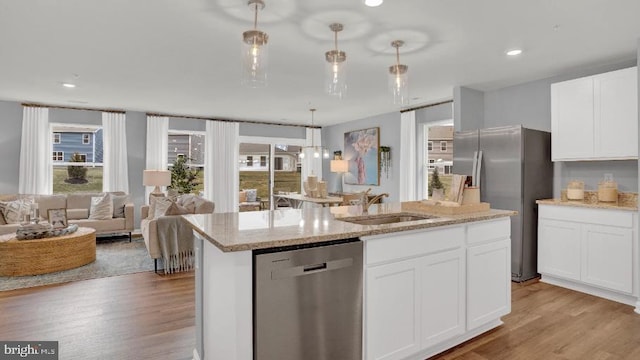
(242, 196)
(119, 201)
(252, 195)
(175, 209)
(101, 207)
(12, 211)
(161, 204)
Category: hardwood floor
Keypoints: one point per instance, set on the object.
(137, 316)
(149, 316)
(549, 322)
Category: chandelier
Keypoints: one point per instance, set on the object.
(254, 51)
(336, 76)
(399, 78)
(313, 150)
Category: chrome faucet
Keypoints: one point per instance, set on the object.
(366, 204)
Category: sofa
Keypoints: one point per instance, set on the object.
(165, 232)
(78, 208)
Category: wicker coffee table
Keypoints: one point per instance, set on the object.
(41, 256)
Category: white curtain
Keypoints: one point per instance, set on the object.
(408, 163)
(221, 179)
(36, 172)
(311, 165)
(157, 146)
(115, 176)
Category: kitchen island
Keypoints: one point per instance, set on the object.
(429, 284)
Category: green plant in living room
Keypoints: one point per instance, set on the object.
(184, 178)
(76, 174)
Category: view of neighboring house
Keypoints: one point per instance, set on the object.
(440, 149)
(189, 145)
(86, 141)
(255, 157)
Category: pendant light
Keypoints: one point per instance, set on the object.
(254, 51)
(313, 150)
(399, 78)
(336, 71)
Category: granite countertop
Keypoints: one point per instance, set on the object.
(584, 204)
(627, 201)
(265, 229)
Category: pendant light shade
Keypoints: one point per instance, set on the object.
(399, 78)
(255, 51)
(313, 150)
(336, 67)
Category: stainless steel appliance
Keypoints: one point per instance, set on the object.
(308, 302)
(516, 170)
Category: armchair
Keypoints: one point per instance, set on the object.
(164, 244)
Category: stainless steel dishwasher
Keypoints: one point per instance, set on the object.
(308, 302)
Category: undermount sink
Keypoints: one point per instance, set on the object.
(386, 218)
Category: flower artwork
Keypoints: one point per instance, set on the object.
(361, 150)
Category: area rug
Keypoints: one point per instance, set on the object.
(114, 256)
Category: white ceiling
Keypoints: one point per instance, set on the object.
(183, 56)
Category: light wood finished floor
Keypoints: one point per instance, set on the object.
(148, 316)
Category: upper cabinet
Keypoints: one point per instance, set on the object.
(595, 117)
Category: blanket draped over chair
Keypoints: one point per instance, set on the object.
(175, 238)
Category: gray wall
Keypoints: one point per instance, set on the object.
(136, 150)
(389, 124)
(277, 131)
(185, 124)
(11, 120)
(529, 104)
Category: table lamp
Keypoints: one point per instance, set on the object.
(341, 167)
(156, 178)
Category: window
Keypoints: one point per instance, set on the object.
(429, 145)
(263, 161)
(249, 160)
(443, 146)
(448, 169)
(189, 145)
(84, 175)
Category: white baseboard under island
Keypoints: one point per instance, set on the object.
(410, 286)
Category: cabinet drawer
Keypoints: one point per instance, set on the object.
(619, 218)
(383, 248)
(489, 230)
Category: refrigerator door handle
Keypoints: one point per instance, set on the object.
(474, 169)
(476, 175)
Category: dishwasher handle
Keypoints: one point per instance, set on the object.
(311, 268)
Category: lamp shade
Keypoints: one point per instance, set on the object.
(339, 166)
(156, 177)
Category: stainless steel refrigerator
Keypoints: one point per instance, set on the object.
(515, 171)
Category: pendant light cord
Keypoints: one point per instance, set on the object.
(255, 17)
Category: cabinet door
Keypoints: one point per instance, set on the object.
(392, 310)
(488, 282)
(443, 296)
(559, 248)
(572, 117)
(616, 114)
(607, 257)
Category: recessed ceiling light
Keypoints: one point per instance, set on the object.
(514, 52)
(373, 3)
(68, 85)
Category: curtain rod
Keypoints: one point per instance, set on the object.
(171, 115)
(232, 120)
(426, 106)
(73, 108)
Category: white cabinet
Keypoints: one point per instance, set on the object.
(590, 250)
(420, 287)
(559, 248)
(442, 298)
(393, 310)
(488, 271)
(607, 257)
(595, 117)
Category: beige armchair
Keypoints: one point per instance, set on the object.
(188, 204)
